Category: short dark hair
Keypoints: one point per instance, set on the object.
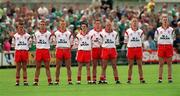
(97, 20)
(84, 23)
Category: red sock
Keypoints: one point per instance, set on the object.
(25, 79)
(116, 78)
(141, 78)
(57, 80)
(160, 78)
(79, 78)
(36, 80)
(102, 78)
(88, 78)
(49, 80)
(129, 78)
(169, 78)
(17, 79)
(94, 78)
(69, 79)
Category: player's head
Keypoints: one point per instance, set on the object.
(134, 23)
(108, 26)
(42, 25)
(84, 27)
(62, 24)
(20, 27)
(97, 25)
(165, 21)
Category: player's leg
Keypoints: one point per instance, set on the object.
(115, 71)
(38, 59)
(79, 58)
(88, 72)
(96, 57)
(79, 72)
(67, 57)
(18, 66)
(104, 59)
(46, 59)
(140, 70)
(94, 70)
(169, 63)
(101, 66)
(48, 72)
(130, 68)
(161, 63)
(139, 63)
(103, 74)
(37, 73)
(58, 65)
(169, 55)
(68, 66)
(24, 67)
(18, 69)
(130, 56)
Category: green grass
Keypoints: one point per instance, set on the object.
(152, 88)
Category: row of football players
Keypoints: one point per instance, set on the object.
(96, 45)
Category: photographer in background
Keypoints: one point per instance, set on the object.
(177, 40)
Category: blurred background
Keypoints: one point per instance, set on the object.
(119, 12)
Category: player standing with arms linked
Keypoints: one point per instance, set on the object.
(134, 39)
(109, 40)
(96, 47)
(42, 41)
(21, 42)
(83, 56)
(64, 43)
(165, 36)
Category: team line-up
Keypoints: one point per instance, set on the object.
(95, 45)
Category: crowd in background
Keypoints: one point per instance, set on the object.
(149, 19)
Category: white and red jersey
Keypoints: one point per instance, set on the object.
(84, 42)
(134, 38)
(109, 40)
(42, 40)
(63, 39)
(21, 42)
(96, 43)
(164, 36)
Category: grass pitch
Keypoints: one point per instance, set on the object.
(152, 88)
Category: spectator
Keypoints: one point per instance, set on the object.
(42, 10)
(150, 6)
(75, 22)
(149, 16)
(174, 21)
(6, 48)
(149, 44)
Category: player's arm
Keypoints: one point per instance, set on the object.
(91, 40)
(13, 42)
(142, 38)
(34, 38)
(174, 35)
(100, 40)
(156, 35)
(76, 41)
(30, 40)
(71, 38)
(126, 38)
(52, 39)
(117, 39)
